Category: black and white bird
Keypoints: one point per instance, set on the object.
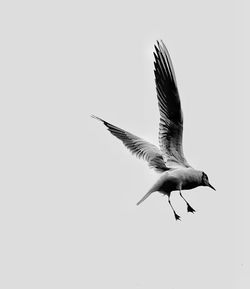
(169, 160)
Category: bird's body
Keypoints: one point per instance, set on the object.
(169, 160)
(174, 180)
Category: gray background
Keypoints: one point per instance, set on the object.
(68, 217)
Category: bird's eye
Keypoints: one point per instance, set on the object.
(205, 177)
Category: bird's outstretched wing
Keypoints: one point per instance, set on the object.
(139, 147)
(171, 119)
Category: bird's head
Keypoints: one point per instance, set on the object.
(205, 181)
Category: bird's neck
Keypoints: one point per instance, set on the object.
(189, 178)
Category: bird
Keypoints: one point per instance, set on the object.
(168, 159)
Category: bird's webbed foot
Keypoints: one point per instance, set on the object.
(177, 217)
(190, 209)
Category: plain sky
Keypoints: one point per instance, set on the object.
(68, 217)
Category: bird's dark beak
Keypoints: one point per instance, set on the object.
(211, 186)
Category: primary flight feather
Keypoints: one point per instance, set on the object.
(169, 159)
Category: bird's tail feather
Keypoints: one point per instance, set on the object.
(145, 197)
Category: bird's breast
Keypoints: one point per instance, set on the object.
(190, 179)
(188, 185)
(168, 183)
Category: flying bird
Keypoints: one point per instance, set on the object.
(167, 159)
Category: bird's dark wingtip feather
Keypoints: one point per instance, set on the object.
(96, 117)
(160, 43)
(159, 49)
(156, 48)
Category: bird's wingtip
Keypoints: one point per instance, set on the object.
(160, 46)
(159, 42)
(96, 117)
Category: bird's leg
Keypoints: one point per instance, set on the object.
(189, 208)
(177, 217)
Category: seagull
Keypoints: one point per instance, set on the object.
(167, 159)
